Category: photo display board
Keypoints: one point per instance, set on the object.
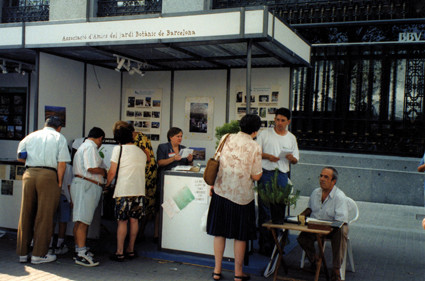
(264, 102)
(143, 110)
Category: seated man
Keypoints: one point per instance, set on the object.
(327, 203)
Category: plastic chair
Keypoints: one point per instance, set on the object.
(353, 215)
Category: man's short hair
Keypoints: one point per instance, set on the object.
(334, 173)
(96, 132)
(284, 112)
(53, 122)
(250, 123)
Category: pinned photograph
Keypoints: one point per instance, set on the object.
(239, 97)
(131, 101)
(155, 114)
(139, 102)
(264, 98)
(155, 125)
(58, 111)
(198, 117)
(263, 112)
(155, 137)
(6, 187)
(148, 101)
(156, 103)
(147, 114)
(130, 113)
(275, 96)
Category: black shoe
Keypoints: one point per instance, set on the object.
(215, 275)
(116, 257)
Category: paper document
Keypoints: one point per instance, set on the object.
(182, 168)
(185, 152)
(284, 152)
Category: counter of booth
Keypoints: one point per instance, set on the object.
(184, 201)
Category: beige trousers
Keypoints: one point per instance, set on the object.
(40, 199)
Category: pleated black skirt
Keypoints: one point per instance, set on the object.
(231, 220)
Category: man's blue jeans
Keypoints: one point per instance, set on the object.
(266, 241)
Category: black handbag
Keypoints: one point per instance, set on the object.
(108, 203)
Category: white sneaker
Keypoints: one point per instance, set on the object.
(86, 260)
(63, 249)
(50, 251)
(23, 258)
(44, 259)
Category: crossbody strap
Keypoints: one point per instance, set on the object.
(220, 147)
(118, 165)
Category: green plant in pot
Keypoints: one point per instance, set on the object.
(277, 198)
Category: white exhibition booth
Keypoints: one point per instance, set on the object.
(97, 96)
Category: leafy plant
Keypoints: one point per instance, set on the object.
(272, 193)
(232, 127)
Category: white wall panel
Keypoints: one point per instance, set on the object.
(207, 83)
(103, 99)
(62, 84)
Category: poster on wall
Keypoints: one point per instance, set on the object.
(12, 113)
(198, 119)
(143, 110)
(264, 102)
(50, 110)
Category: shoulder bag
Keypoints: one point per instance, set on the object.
(211, 170)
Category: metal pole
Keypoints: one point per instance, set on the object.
(248, 76)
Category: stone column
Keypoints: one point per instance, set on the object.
(69, 10)
(173, 6)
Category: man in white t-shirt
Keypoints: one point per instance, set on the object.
(279, 150)
(86, 189)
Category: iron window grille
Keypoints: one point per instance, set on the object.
(108, 8)
(25, 10)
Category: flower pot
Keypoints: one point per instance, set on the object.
(277, 212)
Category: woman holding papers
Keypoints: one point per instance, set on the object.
(232, 210)
(169, 154)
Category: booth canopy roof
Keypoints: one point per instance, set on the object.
(220, 51)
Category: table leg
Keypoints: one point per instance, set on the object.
(280, 252)
(321, 259)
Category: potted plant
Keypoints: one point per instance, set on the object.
(277, 198)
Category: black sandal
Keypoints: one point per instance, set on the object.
(216, 274)
(130, 255)
(117, 257)
(243, 278)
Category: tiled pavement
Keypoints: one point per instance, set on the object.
(388, 244)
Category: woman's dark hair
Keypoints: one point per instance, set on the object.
(250, 123)
(123, 135)
(172, 132)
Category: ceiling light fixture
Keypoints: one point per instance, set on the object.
(131, 65)
(120, 63)
(19, 69)
(4, 68)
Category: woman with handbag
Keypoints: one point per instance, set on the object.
(232, 209)
(151, 197)
(128, 163)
